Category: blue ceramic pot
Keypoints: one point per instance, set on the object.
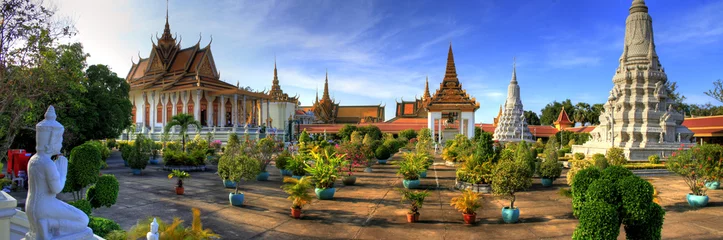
(712, 185)
(285, 172)
(381, 161)
(547, 182)
(136, 171)
(325, 193)
(125, 163)
(297, 177)
(510, 215)
(411, 184)
(263, 176)
(229, 184)
(368, 169)
(236, 199)
(423, 174)
(153, 161)
(697, 201)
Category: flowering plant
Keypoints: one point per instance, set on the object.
(353, 155)
(216, 144)
(690, 164)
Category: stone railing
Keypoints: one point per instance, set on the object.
(13, 222)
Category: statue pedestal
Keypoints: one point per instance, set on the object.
(449, 134)
(7, 211)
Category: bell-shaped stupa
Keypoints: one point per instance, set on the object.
(511, 125)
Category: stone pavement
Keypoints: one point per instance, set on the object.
(372, 208)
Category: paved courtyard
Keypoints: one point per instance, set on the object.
(372, 208)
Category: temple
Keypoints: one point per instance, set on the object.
(639, 116)
(282, 106)
(327, 111)
(511, 125)
(174, 80)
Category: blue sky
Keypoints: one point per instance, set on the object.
(381, 51)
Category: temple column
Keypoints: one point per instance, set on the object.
(209, 111)
(221, 111)
(439, 125)
(152, 111)
(197, 106)
(185, 101)
(268, 102)
(243, 109)
(261, 111)
(164, 113)
(142, 112)
(430, 123)
(174, 100)
(253, 112)
(234, 111)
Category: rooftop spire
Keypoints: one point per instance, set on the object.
(325, 95)
(426, 96)
(451, 71)
(638, 6)
(514, 70)
(167, 38)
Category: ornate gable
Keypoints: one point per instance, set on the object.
(450, 95)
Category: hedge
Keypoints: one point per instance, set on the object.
(598, 220)
(580, 184)
(652, 227)
(102, 226)
(83, 167)
(616, 173)
(633, 166)
(104, 193)
(603, 190)
(636, 194)
(83, 205)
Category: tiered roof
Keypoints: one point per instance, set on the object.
(450, 95)
(276, 93)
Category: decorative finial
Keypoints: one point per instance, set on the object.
(514, 70)
(50, 114)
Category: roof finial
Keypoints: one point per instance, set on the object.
(514, 70)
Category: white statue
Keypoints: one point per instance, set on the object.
(49, 217)
(153, 234)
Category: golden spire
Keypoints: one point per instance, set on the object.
(426, 96)
(325, 95)
(451, 71)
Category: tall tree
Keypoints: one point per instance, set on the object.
(552, 110)
(582, 112)
(183, 121)
(717, 91)
(672, 88)
(594, 113)
(531, 118)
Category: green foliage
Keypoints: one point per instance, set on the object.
(524, 156)
(102, 226)
(233, 140)
(367, 141)
(298, 191)
(104, 193)
(507, 155)
(563, 151)
(616, 156)
(576, 166)
(580, 184)
(652, 226)
(692, 169)
(411, 165)
(599, 220)
(475, 170)
(83, 168)
(137, 158)
(552, 110)
(174, 230)
(184, 121)
(382, 152)
(654, 159)
(83, 205)
(578, 156)
(414, 198)
(325, 169)
(408, 133)
(304, 137)
(356, 137)
(237, 167)
(600, 161)
(531, 118)
(459, 148)
(297, 165)
(108, 107)
(4, 181)
(345, 132)
(615, 173)
(636, 194)
(178, 158)
(282, 160)
(424, 140)
(373, 131)
(102, 148)
(550, 169)
(477, 133)
(468, 203)
(509, 178)
(633, 166)
(603, 190)
(116, 235)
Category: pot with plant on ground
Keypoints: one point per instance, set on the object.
(297, 166)
(263, 151)
(282, 162)
(382, 153)
(468, 204)
(409, 168)
(180, 175)
(325, 171)
(298, 190)
(693, 165)
(138, 155)
(549, 171)
(509, 178)
(238, 166)
(415, 200)
(355, 155)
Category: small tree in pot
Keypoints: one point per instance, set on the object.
(415, 199)
(179, 184)
(325, 171)
(242, 167)
(382, 153)
(409, 169)
(691, 164)
(549, 171)
(138, 156)
(298, 190)
(509, 178)
(468, 204)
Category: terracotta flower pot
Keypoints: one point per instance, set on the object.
(412, 217)
(179, 190)
(470, 218)
(296, 213)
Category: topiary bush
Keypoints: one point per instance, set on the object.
(102, 226)
(598, 220)
(382, 152)
(83, 205)
(104, 193)
(654, 159)
(580, 184)
(104, 150)
(603, 190)
(578, 156)
(616, 156)
(600, 161)
(576, 166)
(83, 169)
(652, 227)
(616, 173)
(550, 169)
(636, 194)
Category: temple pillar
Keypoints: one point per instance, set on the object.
(243, 109)
(234, 112)
(209, 111)
(439, 125)
(164, 114)
(221, 111)
(152, 111)
(430, 123)
(142, 112)
(197, 106)
(253, 112)
(184, 99)
(268, 102)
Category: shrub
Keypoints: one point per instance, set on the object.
(325, 169)
(633, 166)
(298, 190)
(550, 169)
(475, 170)
(408, 133)
(599, 220)
(83, 205)
(507, 155)
(468, 203)
(83, 169)
(174, 230)
(102, 148)
(636, 194)
(411, 166)
(111, 143)
(580, 184)
(654, 159)
(603, 190)
(137, 159)
(524, 156)
(104, 193)
(509, 178)
(579, 156)
(102, 226)
(600, 161)
(576, 166)
(116, 235)
(382, 152)
(233, 140)
(414, 198)
(616, 156)
(564, 151)
(653, 225)
(692, 169)
(282, 160)
(615, 173)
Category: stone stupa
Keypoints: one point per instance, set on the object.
(639, 116)
(511, 125)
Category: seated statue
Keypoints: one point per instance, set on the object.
(49, 217)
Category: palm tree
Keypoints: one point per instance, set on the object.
(184, 121)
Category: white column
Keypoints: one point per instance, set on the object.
(7, 211)
(221, 111)
(143, 111)
(261, 111)
(185, 101)
(430, 123)
(439, 125)
(243, 109)
(164, 113)
(234, 111)
(197, 106)
(152, 111)
(209, 111)
(267, 113)
(174, 100)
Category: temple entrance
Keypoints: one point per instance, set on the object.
(204, 118)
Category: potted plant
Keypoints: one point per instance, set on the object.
(297, 166)
(354, 155)
(180, 175)
(242, 167)
(137, 158)
(154, 157)
(425, 158)
(282, 162)
(298, 190)
(415, 199)
(382, 154)
(368, 160)
(263, 152)
(549, 171)
(509, 178)
(409, 169)
(324, 171)
(468, 204)
(692, 169)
